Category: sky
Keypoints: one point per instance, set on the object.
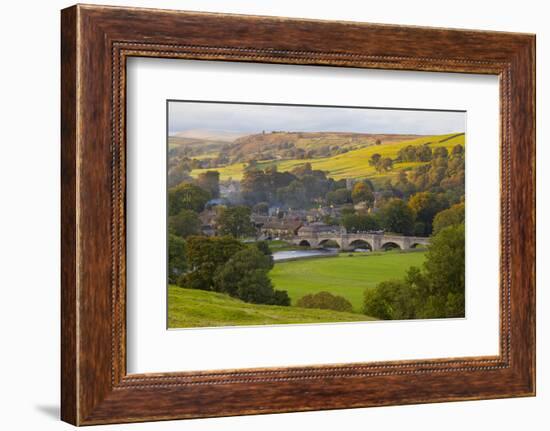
(250, 118)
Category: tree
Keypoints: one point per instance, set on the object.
(378, 142)
(386, 164)
(179, 173)
(458, 150)
(437, 291)
(449, 217)
(403, 185)
(256, 287)
(254, 186)
(184, 224)
(390, 300)
(423, 153)
(359, 222)
(187, 196)
(425, 206)
(302, 170)
(375, 159)
(361, 193)
(263, 246)
(293, 195)
(244, 276)
(209, 181)
(396, 216)
(445, 268)
(235, 221)
(204, 256)
(176, 258)
(261, 208)
(325, 301)
(339, 197)
(440, 152)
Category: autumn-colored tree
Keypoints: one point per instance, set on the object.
(361, 193)
(425, 206)
(449, 217)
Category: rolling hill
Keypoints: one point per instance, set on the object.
(352, 164)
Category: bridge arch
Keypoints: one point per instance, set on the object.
(329, 243)
(360, 243)
(390, 245)
(417, 245)
(304, 243)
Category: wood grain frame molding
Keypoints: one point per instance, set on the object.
(96, 42)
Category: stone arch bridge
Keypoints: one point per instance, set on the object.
(350, 241)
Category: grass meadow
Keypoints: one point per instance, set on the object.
(191, 308)
(342, 275)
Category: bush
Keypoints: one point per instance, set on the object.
(390, 300)
(325, 301)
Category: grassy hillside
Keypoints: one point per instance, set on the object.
(262, 142)
(343, 275)
(188, 308)
(353, 164)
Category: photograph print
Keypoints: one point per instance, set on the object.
(300, 214)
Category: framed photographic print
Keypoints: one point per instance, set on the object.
(279, 215)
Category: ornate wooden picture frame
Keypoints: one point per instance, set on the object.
(96, 41)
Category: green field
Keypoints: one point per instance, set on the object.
(188, 308)
(343, 275)
(353, 164)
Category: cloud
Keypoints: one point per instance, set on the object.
(253, 118)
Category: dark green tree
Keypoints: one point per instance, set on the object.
(176, 258)
(263, 246)
(187, 196)
(390, 300)
(293, 195)
(205, 255)
(339, 197)
(396, 216)
(235, 221)
(209, 181)
(184, 224)
(244, 276)
(445, 270)
(359, 222)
